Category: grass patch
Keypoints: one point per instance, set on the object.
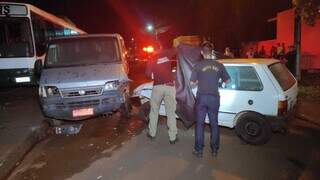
(309, 93)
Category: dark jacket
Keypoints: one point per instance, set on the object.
(160, 67)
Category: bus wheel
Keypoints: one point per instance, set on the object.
(253, 128)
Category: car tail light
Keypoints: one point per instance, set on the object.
(282, 107)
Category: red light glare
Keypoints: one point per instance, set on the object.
(148, 49)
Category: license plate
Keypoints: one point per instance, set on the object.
(22, 79)
(82, 112)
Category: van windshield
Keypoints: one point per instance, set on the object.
(283, 76)
(15, 37)
(82, 51)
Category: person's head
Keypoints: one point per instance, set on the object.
(207, 51)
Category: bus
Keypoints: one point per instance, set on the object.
(24, 32)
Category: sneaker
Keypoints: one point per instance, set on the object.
(173, 141)
(197, 153)
(150, 137)
(214, 153)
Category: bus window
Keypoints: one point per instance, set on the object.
(39, 29)
(46, 30)
(15, 38)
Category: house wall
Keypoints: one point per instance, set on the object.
(310, 39)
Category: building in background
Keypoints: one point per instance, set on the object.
(310, 38)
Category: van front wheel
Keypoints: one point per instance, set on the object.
(126, 107)
(253, 128)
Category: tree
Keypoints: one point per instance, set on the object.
(309, 12)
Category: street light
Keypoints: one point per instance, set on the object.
(149, 27)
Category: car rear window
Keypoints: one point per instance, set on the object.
(283, 76)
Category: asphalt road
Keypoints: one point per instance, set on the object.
(116, 148)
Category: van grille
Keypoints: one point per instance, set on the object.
(79, 104)
(81, 92)
(84, 103)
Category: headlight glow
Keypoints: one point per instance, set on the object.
(52, 91)
(112, 85)
(48, 91)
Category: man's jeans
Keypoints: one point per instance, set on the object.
(207, 104)
(168, 95)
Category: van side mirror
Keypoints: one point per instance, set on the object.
(38, 67)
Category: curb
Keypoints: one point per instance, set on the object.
(13, 159)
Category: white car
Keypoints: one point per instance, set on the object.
(257, 101)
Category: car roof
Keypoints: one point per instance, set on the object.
(265, 61)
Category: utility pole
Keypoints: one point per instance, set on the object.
(297, 42)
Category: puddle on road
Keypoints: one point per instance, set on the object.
(69, 154)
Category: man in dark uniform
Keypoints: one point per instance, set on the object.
(159, 69)
(206, 75)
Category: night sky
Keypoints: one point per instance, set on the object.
(227, 22)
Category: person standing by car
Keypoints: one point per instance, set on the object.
(228, 52)
(159, 69)
(206, 75)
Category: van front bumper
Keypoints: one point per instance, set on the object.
(62, 108)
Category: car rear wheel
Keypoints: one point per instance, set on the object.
(253, 128)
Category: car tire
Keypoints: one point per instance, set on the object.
(144, 111)
(126, 107)
(253, 128)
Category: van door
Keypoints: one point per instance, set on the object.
(286, 84)
(124, 56)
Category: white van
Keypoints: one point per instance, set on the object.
(84, 76)
(257, 101)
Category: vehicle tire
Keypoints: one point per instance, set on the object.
(126, 107)
(253, 128)
(144, 111)
(54, 122)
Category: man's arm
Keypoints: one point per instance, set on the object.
(225, 75)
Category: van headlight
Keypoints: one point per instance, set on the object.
(48, 91)
(112, 85)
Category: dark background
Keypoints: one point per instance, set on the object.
(226, 22)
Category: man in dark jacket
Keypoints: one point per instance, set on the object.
(159, 69)
(206, 75)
